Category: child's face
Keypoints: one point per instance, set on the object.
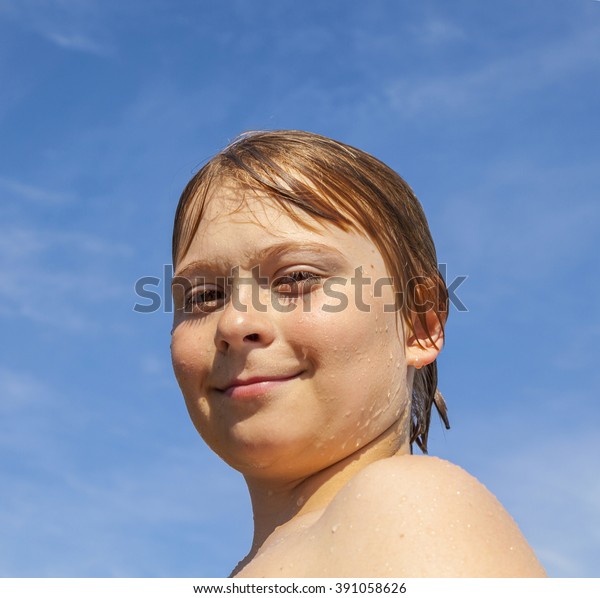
(326, 379)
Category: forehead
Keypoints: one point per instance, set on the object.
(240, 224)
(229, 203)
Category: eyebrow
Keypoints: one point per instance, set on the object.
(272, 251)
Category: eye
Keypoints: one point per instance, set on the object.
(204, 301)
(296, 283)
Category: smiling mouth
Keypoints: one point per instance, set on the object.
(256, 386)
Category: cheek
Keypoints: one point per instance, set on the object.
(189, 360)
(191, 364)
(356, 355)
(358, 377)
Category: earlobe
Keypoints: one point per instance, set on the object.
(424, 340)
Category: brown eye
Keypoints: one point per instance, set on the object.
(204, 301)
(296, 283)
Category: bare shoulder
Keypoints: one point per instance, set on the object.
(421, 516)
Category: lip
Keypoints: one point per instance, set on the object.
(257, 385)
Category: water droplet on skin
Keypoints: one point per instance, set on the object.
(511, 548)
(300, 501)
(458, 492)
(358, 496)
(403, 498)
(334, 528)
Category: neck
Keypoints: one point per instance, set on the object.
(277, 503)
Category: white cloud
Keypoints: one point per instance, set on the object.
(562, 509)
(494, 80)
(519, 221)
(74, 25)
(34, 194)
(21, 242)
(435, 31)
(18, 389)
(545, 473)
(157, 368)
(55, 277)
(557, 561)
(77, 41)
(153, 517)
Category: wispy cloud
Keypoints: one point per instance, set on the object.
(18, 389)
(497, 79)
(557, 494)
(122, 520)
(78, 42)
(74, 25)
(520, 221)
(544, 471)
(30, 259)
(436, 31)
(157, 369)
(32, 193)
(29, 242)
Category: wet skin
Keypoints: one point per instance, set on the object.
(310, 403)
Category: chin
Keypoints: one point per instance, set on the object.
(270, 460)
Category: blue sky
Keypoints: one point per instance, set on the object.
(489, 109)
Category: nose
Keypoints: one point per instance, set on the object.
(245, 322)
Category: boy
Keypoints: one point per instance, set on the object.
(309, 315)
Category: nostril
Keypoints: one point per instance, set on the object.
(251, 337)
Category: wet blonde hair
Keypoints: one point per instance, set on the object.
(337, 183)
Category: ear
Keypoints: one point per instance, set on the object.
(424, 342)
